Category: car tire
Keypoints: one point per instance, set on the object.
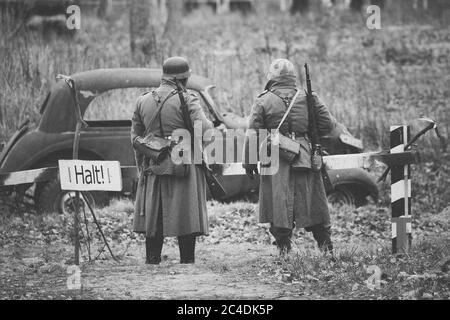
(342, 195)
(50, 198)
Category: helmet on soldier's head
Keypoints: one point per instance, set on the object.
(176, 68)
(279, 68)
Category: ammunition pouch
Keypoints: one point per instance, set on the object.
(303, 160)
(296, 152)
(158, 151)
(153, 147)
(288, 148)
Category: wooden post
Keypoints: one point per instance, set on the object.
(400, 193)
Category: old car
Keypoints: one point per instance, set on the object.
(107, 99)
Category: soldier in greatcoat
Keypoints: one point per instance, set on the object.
(290, 197)
(168, 205)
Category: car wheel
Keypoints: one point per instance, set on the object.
(343, 196)
(50, 198)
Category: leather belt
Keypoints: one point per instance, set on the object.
(294, 135)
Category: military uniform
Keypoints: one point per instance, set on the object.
(169, 205)
(290, 197)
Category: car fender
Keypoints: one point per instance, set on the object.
(23, 129)
(34, 147)
(358, 177)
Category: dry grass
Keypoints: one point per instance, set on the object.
(369, 79)
(36, 250)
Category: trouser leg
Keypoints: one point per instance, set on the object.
(282, 238)
(153, 245)
(322, 234)
(186, 244)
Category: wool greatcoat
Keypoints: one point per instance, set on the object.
(289, 195)
(182, 201)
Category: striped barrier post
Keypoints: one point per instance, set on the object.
(400, 193)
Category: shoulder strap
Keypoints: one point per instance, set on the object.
(285, 99)
(158, 111)
(262, 93)
(288, 109)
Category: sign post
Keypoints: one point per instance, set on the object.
(83, 175)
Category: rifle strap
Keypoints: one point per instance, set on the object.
(185, 113)
(186, 118)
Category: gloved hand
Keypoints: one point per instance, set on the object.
(222, 128)
(251, 170)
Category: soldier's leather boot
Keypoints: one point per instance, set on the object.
(322, 235)
(153, 248)
(187, 248)
(284, 247)
(282, 238)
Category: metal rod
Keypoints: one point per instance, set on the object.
(87, 234)
(80, 228)
(98, 225)
(76, 143)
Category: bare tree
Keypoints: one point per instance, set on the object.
(173, 23)
(1, 118)
(142, 31)
(356, 5)
(104, 8)
(299, 6)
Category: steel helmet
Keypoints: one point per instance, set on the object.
(176, 68)
(279, 68)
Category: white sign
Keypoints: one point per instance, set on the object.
(86, 175)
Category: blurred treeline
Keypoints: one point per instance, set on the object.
(370, 79)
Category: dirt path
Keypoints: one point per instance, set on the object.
(222, 271)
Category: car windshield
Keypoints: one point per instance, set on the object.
(116, 104)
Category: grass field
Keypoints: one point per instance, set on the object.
(236, 260)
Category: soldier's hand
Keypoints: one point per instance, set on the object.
(251, 170)
(222, 128)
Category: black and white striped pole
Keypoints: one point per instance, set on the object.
(400, 193)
